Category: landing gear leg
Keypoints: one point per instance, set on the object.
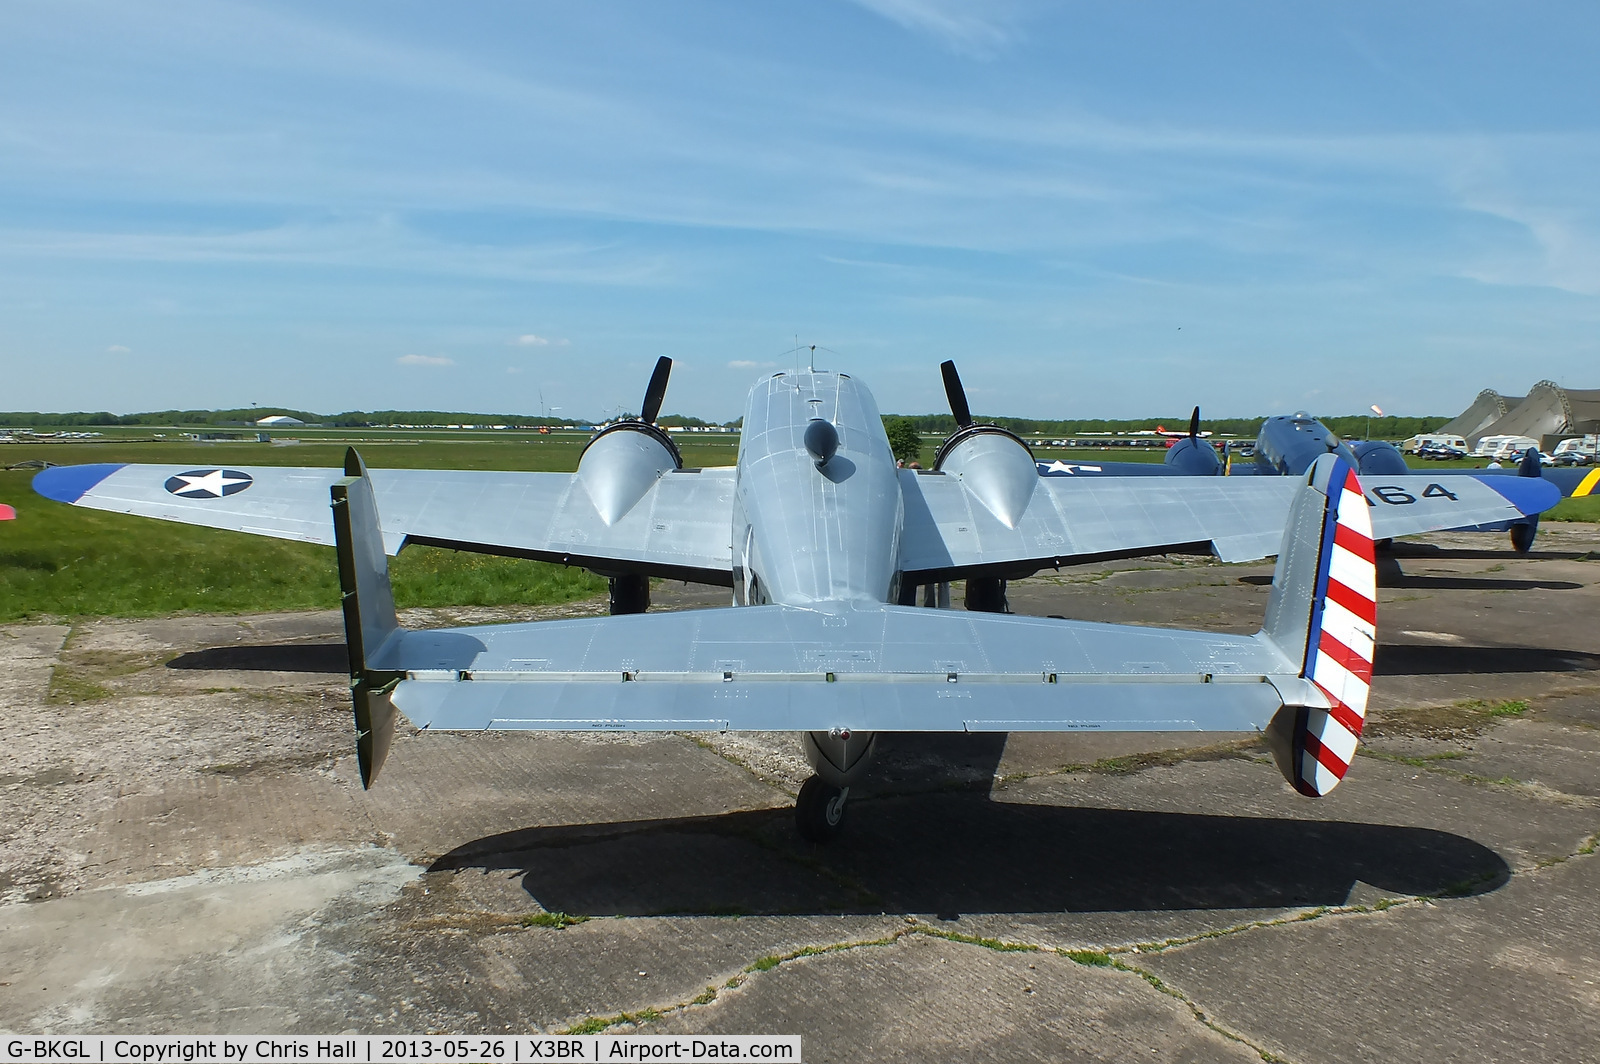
(629, 594)
(819, 810)
(1522, 533)
(987, 595)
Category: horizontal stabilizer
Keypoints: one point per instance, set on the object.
(855, 667)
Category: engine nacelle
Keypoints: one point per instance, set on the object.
(1379, 457)
(995, 466)
(622, 462)
(1193, 457)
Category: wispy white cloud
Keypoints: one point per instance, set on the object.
(1095, 180)
(118, 349)
(424, 360)
(964, 26)
(378, 242)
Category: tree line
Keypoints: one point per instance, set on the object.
(1353, 426)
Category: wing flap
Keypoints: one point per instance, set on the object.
(820, 706)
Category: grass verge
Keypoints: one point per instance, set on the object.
(66, 561)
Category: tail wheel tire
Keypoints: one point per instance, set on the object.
(819, 810)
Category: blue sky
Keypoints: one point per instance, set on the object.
(1096, 209)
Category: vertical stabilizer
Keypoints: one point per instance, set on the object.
(1323, 612)
(369, 614)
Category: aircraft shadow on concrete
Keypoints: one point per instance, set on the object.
(1397, 579)
(284, 657)
(955, 853)
(1400, 549)
(1390, 576)
(1414, 659)
(954, 850)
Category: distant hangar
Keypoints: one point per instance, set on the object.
(1547, 413)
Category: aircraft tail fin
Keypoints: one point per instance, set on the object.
(370, 621)
(1323, 612)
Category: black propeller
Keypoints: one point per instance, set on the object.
(956, 395)
(1194, 424)
(656, 390)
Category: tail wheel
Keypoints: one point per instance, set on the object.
(1522, 534)
(819, 810)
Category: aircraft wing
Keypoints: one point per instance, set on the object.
(949, 534)
(1572, 481)
(681, 528)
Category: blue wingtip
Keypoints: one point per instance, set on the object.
(72, 482)
(1531, 495)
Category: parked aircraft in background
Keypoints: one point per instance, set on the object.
(823, 544)
(1192, 431)
(1287, 445)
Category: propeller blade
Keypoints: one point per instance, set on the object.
(1194, 424)
(956, 394)
(656, 390)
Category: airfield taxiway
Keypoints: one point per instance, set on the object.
(184, 848)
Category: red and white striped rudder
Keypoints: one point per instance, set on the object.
(1325, 593)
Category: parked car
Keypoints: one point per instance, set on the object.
(1571, 458)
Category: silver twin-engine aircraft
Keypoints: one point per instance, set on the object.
(825, 544)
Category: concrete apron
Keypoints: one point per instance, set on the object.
(185, 849)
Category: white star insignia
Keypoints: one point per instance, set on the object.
(1058, 466)
(212, 484)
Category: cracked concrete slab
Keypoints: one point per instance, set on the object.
(1509, 975)
(955, 1001)
(182, 807)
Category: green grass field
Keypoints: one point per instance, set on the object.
(65, 561)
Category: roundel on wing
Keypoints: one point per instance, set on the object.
(208, 483)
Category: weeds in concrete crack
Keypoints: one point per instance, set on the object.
(1157, 983)
(772, 960)
(1460, 720)
(998, 945)
(1418, 761)
(1133, 763)
(1091, 958)
(1585, 849)
(597, 1024)
(559, 921)
(1432, 763)
(734, 759)
(1223, 932)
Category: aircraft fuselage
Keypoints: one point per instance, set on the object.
(805, 533)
